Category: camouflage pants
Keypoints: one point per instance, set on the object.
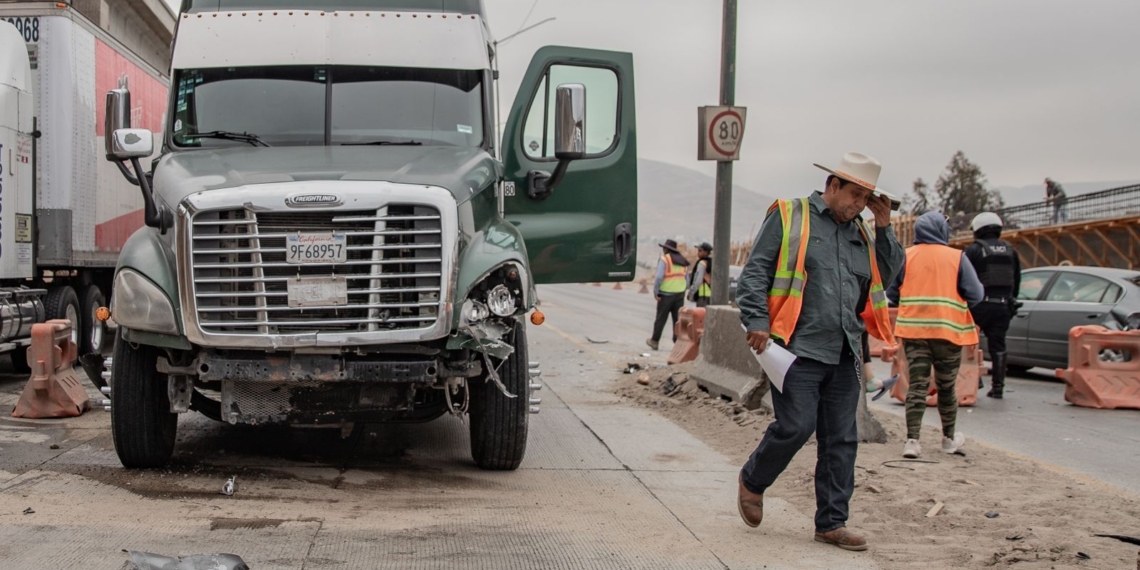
(946, 357)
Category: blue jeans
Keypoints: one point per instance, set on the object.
(821, 398)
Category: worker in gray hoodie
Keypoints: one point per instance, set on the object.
(934, 292)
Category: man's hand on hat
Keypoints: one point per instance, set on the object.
(881, 207)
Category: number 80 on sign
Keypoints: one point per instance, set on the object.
(721, 132)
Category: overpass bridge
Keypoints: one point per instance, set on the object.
(1103, 229)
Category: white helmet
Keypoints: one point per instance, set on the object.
(985, 219)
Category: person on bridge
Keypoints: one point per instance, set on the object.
(999, 269)
(934, 292)
(669, 289)
(700, 276)
(814, 283)
(1056, 194)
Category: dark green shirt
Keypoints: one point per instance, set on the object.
(838, 282)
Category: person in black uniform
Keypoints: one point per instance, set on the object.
(999, 268)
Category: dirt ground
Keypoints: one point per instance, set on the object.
(1044, 518)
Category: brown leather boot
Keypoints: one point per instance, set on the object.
(750, 505)
(842, 538)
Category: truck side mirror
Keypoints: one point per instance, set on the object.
(118, 116)
(131, 143)
(569, 138)
(127, 144)
(570, 122)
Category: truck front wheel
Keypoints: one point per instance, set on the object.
(62, 303)
(498, 423)
(92, 330)
(142, 425)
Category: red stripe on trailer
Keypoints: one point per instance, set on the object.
(112, 234)
(148, 95)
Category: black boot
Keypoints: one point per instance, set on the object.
(998, 376)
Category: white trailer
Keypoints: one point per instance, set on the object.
(65, 211)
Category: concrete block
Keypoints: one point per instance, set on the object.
(726, 366)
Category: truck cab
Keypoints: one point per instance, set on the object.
(334, 232)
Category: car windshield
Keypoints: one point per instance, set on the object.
(328, 105)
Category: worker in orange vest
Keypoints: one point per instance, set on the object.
(934, 293)
(814, 283)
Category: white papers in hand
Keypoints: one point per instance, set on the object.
(775, 360)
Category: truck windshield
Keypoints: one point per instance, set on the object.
(328, 105)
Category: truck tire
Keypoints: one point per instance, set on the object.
(62, 303)
(498, 423)
(142, 425)
(93, 332)
(20, 361)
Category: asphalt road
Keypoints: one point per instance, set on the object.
(1033, 421)
(604, 484)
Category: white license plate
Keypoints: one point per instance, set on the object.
(305, 248)
(318, 291)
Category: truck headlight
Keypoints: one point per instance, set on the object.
(138, 304)
(501, 301)
(475, 311)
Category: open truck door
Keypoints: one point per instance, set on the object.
(570, 151)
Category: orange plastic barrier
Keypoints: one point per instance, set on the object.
(644, 286)
(689, 331)
(877, 345)
(1093, 383)
(54, 390)
(617, 286)
(966, 385)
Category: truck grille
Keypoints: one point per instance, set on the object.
(393, 270)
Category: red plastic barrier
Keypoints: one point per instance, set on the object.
(54, 390)
(689, 331)
(966, 385)
(1093, 383)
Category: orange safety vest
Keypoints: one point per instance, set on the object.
(674, 280)
(930, 306)
(785, 297)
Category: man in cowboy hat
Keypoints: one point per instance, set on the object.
(816, 271)
(669, 289)
(700, 276)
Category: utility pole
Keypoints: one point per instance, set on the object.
(722, 216)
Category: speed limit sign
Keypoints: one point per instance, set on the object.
(721, 131)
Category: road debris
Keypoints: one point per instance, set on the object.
(29, 511)
(643, 379)
(1083, 556)
(1016, 536)
(632, 367)
(1121, 538)
(230, 487)
(592, 341)
(874, 489)
(892, 462)
(937, 508)
(149, 561)
(992, 515)
(53, 446)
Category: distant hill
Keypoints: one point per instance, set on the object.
(1016, 196)
(677, 202)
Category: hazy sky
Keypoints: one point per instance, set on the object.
(1026, 88)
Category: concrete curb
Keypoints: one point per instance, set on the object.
(726, 366)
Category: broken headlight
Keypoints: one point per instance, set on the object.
(501, 301)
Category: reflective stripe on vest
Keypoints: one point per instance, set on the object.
(930, 306)
(674, 281)
(785, 297)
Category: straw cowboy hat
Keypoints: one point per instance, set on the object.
(862, 170)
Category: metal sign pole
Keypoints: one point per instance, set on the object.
(722, 217)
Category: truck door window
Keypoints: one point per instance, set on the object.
(602, 103)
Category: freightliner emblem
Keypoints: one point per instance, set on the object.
(303, 200)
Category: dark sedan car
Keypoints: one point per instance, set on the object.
(1057, 299)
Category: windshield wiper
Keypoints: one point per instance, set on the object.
(384, 143)
(229, 136)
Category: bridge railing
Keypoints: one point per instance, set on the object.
(1111, 203)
